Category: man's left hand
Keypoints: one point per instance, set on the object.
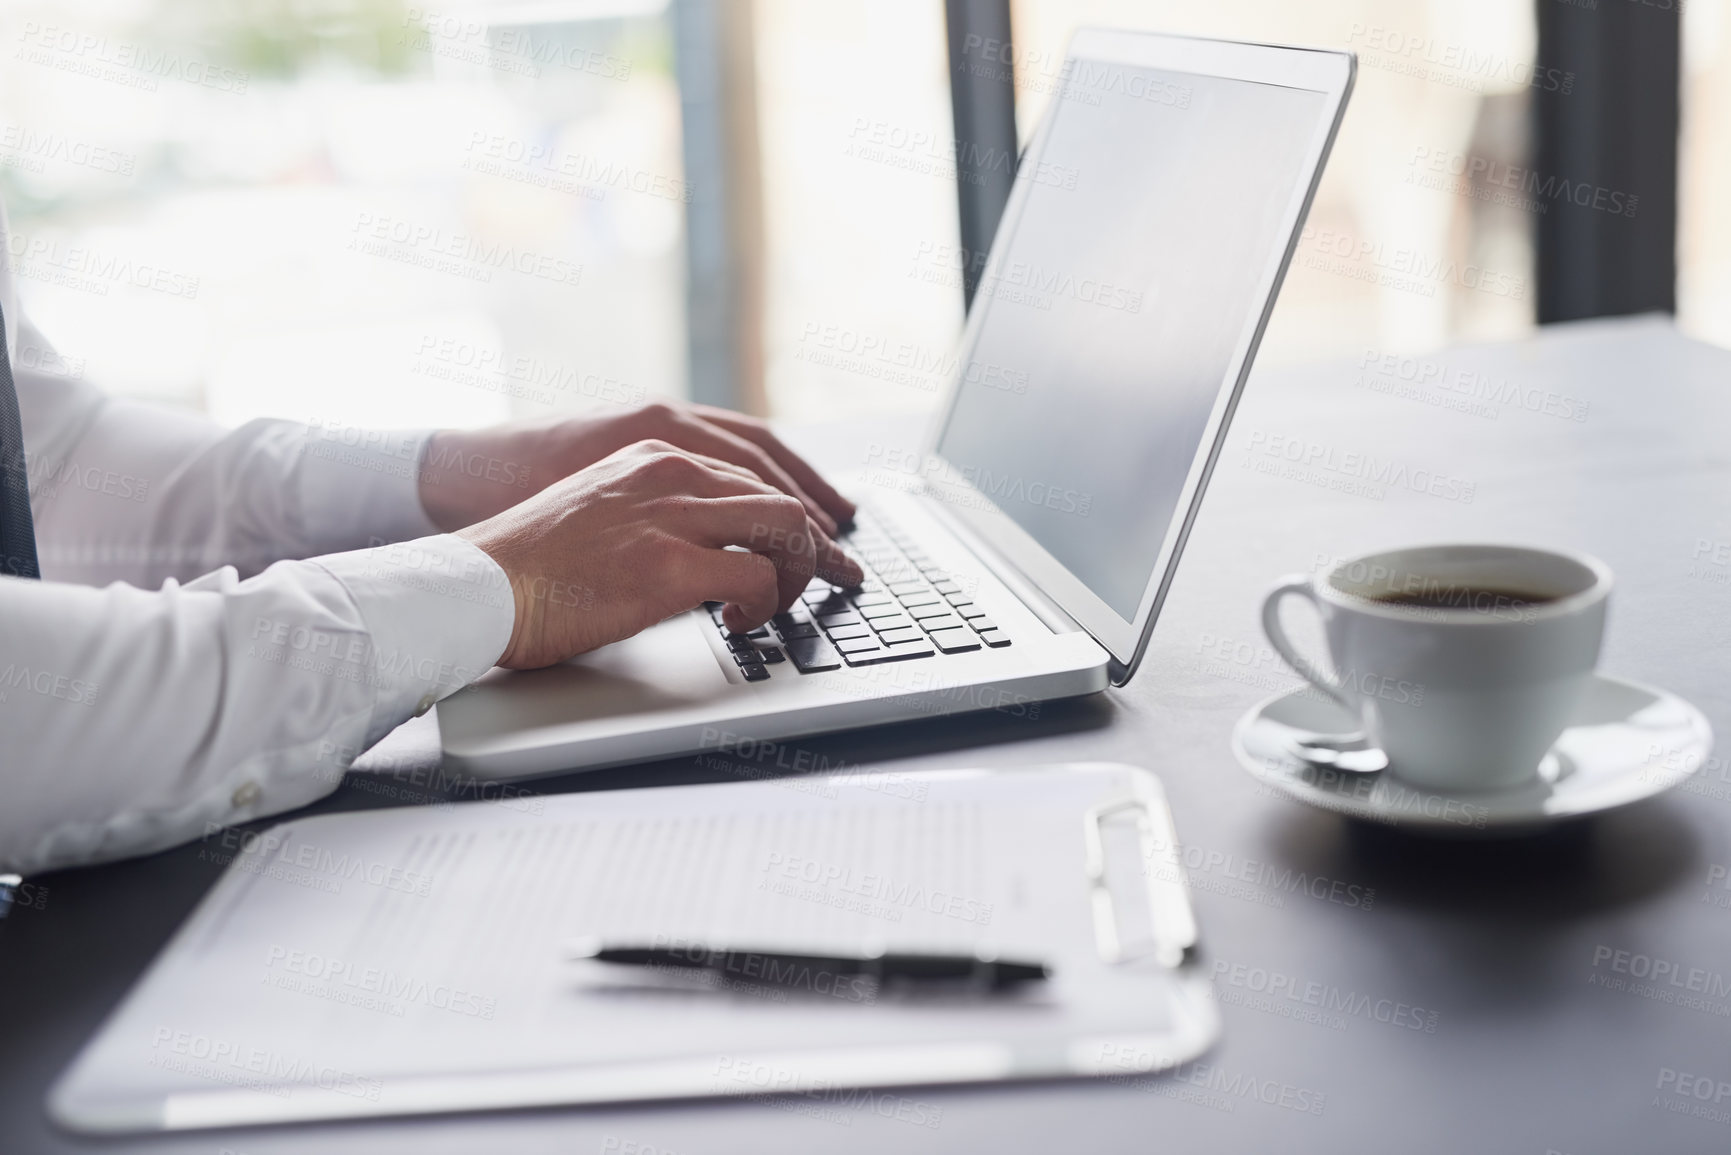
(468, 476)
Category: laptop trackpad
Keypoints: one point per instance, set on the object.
(667, 666)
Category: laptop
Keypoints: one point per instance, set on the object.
(1024, 555)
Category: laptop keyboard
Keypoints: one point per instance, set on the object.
(906, 608)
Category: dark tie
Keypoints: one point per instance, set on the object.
(17, 530)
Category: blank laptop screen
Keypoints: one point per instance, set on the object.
(1118, 298)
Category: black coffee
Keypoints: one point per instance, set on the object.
(1463, 597)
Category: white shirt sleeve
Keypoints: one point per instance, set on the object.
(135, 718)
(126, 491)
(131, 720)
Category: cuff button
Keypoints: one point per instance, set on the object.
(425, 704)
(245, 795)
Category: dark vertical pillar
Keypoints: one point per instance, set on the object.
(1606, 114)
(983, 101)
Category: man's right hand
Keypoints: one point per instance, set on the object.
(640, 536)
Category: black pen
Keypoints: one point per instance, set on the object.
(780, 968)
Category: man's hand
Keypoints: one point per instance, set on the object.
(642, 535)
(469, 475)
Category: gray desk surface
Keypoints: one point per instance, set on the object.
(1528, 1039)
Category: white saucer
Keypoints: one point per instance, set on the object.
(1626, 742)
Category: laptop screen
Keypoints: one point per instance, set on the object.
(1116, 302)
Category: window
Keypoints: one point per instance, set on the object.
(863, 310)
(1703, 228)
(350, 211)
(372, 212)
(1412, 242)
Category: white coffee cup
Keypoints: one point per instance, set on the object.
(1462, 662)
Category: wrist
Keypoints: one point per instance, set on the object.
(496, 542)
(468, 476)
(440, 498)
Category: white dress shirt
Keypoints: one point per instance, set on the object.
(175, 668)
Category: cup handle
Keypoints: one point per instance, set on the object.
(1298, 585)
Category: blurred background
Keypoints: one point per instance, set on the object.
(384, 213)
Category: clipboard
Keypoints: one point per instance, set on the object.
(410, 961)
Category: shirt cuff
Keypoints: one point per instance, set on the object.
(438, 613)
(364, 485)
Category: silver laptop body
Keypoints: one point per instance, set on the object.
(1025, 554)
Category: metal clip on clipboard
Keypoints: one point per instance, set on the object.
(1170, 937)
